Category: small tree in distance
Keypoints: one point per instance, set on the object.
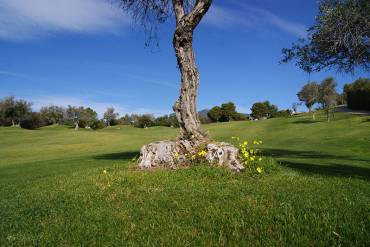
(53, 114)
(328, 96)
(89, 116)
(214, 114)
(14, 111)
(309, 95)
(264, 109)
(74, 114)
(110, 116)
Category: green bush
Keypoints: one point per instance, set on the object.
(358, 94)
(145, 121)
(97, 124)
(33, 121)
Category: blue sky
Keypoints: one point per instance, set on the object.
(87, 52)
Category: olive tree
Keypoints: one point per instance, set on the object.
(188, 14)
(328, 96)
(75, 115)
(53, 114)
(14, 111)
(340, 38)
(309, 95)
(110, 116)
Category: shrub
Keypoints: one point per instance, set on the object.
(33, 121)
(167, 120)
(97, 124)
(145, 121)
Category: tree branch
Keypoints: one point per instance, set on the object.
(200, 9)
(178, 8)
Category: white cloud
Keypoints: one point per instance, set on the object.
(29, 19)
(247, 16)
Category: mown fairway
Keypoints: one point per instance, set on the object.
(53, 190)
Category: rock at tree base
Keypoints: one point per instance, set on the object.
(171, 154)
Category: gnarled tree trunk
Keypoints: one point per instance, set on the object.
(185, 106)
(174, 153)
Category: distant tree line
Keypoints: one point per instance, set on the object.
(148, 120)
(19, 113)
(225, 113)
(15, 112)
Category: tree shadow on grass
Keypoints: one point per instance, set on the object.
(117, 156)
(312, 162)
(305, 121)
(284, 153)
(332, 169)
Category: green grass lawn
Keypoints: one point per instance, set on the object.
(53, 191)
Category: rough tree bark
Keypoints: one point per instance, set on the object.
(185, 106)
(192, 137)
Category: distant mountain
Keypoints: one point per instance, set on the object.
(203, 112)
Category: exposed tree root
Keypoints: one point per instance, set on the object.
(172, 154)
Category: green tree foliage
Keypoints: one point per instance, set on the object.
(125, 120)
(340, 38)
(13, 111)
(53, 114)
(263, 110)
(328, 96)
(228, 112)
(74, 115)
(110, 116)
(214, 114)
(358, 94)
(224, 113)
(33, 121)
(309, 95)
(145, 121)
(97, 124)
(167, 120)
(89, 117)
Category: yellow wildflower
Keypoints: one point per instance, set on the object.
(105, 171)
(256, 142)
(252, 158)
(193, 157)
(259, 170)
(260, 159)
(176, 154)
(202, 153)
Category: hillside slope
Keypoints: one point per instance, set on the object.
(64, 187)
